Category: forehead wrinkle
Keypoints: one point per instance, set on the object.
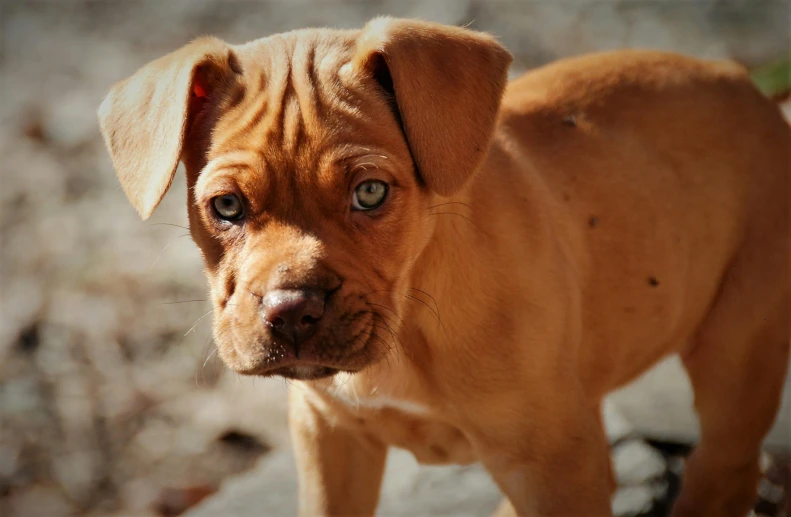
(280, 78)
(314, 78)
(248, 113)
(283, 130)
(305, 82)
(293, 127)
(306, 100)
(293, 81)
(238, 159)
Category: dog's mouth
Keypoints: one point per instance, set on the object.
(291, 368)
(303, 372)
(348, 347)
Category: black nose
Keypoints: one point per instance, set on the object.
(293, 313)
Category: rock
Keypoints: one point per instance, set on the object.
(616, 425)
(636, 463)
(631, 501)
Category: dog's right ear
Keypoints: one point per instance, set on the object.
(447, 83)
(144, 118)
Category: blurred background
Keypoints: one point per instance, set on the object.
(112, 402)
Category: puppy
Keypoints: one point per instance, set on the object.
(461, 267)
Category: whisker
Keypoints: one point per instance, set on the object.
(395, 314)
(182, 301)
(396, 341)
(454, 213)
(386, 354)
(394, 336)
(169, 224)
(429, 307)
(435, 313)
(211, 354)
(450, 203)
(159, 255)
(388, 329)
(391, 321)
(198, 321)
(424, 292)
(206, 350)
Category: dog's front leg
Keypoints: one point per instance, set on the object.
(339, 471)
(551, 466)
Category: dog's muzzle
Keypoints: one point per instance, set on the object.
(300, 332)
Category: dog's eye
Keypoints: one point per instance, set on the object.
(369, 195)
(228, 207)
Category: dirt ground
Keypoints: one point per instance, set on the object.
(112, 401)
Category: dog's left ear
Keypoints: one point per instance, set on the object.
(447, 83)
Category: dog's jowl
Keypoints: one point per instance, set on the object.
(463, 267)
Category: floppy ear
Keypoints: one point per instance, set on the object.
(447, 82)
(144, 118)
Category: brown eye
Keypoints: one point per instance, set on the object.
(369, 195)
(228, 207)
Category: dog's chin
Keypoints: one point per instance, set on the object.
(305, 372)
(297, 372)
(303, 368)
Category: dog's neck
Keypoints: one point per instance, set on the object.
(501, 205)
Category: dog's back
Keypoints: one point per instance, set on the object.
(687, 159)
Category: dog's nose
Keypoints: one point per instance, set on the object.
(293, 313)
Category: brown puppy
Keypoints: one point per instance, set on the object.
(464, 269)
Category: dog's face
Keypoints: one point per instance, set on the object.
(313, 159)
(308, 212)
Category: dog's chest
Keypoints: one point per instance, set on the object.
(407, 425)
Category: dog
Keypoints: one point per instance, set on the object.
(447, 262)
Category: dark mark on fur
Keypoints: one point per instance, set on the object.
(653, 282)
(570, 121)
(438, 451)
(593, 222)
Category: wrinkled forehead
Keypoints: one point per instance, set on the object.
(300, 100)
(301, 117)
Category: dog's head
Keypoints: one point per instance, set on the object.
(312, 158)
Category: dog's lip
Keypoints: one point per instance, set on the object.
(294, 369)
(306, 373)
(287, 361)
